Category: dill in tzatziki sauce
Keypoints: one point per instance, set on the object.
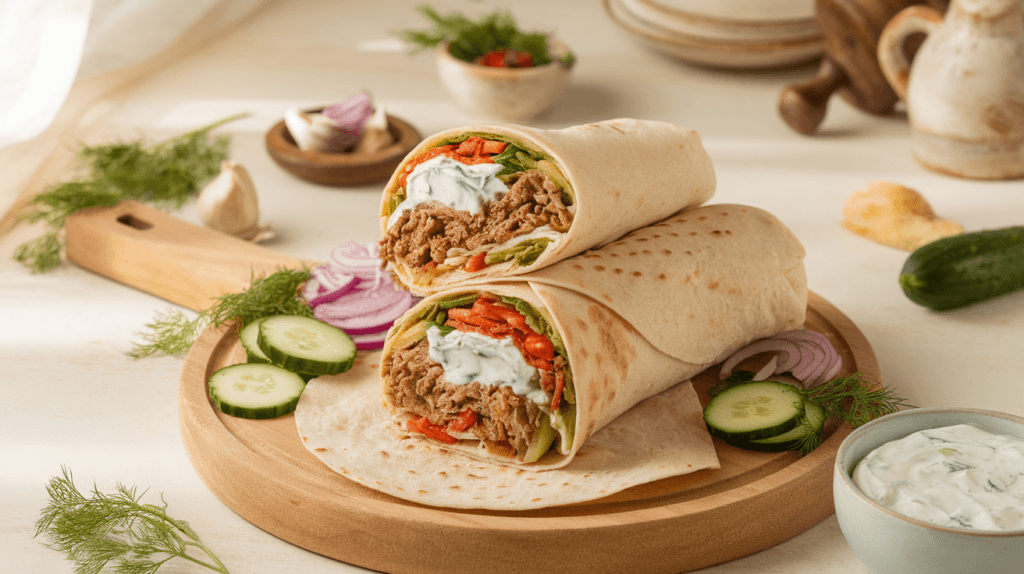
(959, 476)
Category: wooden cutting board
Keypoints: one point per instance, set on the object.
(754, 501)
(262, 471)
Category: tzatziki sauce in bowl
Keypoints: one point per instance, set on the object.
(934, 490)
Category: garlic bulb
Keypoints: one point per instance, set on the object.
(229, 204)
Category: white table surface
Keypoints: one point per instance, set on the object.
(70, 397)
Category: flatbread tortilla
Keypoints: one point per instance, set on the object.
(340, 419)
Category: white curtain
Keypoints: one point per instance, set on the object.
(47, 45)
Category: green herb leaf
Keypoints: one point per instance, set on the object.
(854, 400)
(165, 174)
(138, 538)
(173, 333)
(468, 39)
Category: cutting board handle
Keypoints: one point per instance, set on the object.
(152, 251)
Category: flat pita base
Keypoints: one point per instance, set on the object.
(342, 421)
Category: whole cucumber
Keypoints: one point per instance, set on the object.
(962, 270)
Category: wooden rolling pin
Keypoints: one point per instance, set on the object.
(850, 66)
(154, 252)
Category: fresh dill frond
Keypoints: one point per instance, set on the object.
(137, 538)
(165, 175)
(811, 437)
(467, 39)
(854, 400)
(172, 333)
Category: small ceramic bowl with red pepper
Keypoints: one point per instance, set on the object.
(506, 84)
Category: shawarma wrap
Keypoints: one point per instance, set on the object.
(522, 371)
(628, 325)
(474, 203)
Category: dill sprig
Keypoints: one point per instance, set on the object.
(138, 538)
(172, 333)
(852, 400)
(165, 174)
(467, 39)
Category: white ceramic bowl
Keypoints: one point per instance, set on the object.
(504, 93)
(889, 543)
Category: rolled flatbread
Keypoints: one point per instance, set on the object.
(625, 322)
(474, 203)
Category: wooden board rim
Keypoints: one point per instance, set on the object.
(237, 475)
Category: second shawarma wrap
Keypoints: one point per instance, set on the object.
(521, 371)
(473, 203)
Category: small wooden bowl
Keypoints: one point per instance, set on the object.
(341, 169)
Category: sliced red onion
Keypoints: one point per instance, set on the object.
(350, 118)
(809, 356)
(325, 285)
(366, 302)
(369, 342)
(769, 345)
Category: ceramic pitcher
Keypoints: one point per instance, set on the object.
(964, 91)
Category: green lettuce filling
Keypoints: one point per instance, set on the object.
(523, 253)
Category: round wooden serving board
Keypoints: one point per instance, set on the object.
(755, 500)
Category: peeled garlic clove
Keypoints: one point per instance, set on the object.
(376, 135)
(311, 132)
(229, 204)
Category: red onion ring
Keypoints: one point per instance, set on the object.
(809, 356)
(368, 304)
(369, 342)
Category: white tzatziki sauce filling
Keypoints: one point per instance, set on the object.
(468, 357)
(453, 183)
(957, 476)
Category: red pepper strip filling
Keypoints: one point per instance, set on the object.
(476, 263)
(465, 421)
(489, 319)
(430, 430)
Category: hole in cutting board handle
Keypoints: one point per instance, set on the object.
(132, 221)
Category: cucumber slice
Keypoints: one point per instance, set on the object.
(753, 411)
(255, 391)
(248, 336)
(305, 345)
(790, 440)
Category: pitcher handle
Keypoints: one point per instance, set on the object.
(891, 57)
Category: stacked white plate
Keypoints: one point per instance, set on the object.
(724, 33)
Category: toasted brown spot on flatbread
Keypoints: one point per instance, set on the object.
(693, 233)
(716, 232)
(641, 239)
(656, 236)
(473, 475)
(696, 272)
(727, 232)
(320, 449)
(581, 324)
(606, 297)
(666, 252)
(702, 218)
(421, 491)
(442, 473)
(584, 353)
(611, 394)
(411, 471)
(688, 280)
(681, 220)
(689, 252)
(384, 453)
(618, 271)
(599, 268)
(713, 285)
(646, 252)
(661, 276)
(536, 499)
(637, 274)
(614, 255)
(577, 266)
(674, 234)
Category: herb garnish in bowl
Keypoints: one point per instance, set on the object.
(494, 40)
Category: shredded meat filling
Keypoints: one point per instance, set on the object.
(418, 386)
(428, 231)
